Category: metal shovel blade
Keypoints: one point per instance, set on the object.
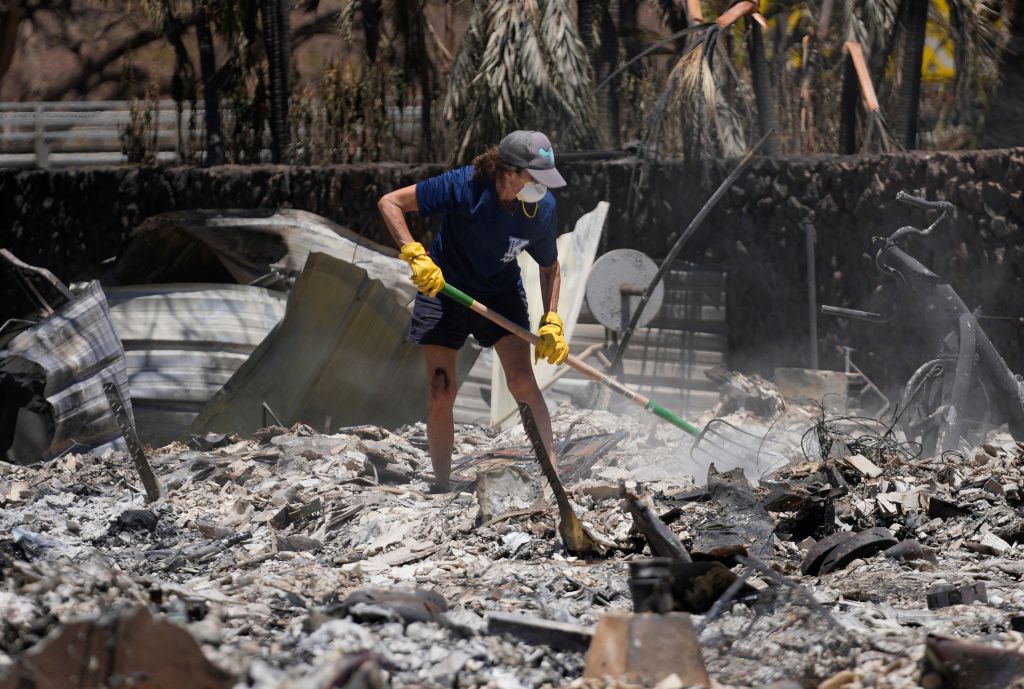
(578, 539)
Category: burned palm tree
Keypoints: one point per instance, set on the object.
(599, 34)
(521, 65)
(276, 36)
(395, 37)
(876, 130)
(208, 74)
(764, 90)
(908, 93)
(1005, 123)
(707, 124)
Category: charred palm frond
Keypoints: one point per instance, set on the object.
(870, 23)
(573, 83)
(693, 89)
(691, 86)
(876, 131)
(979, 34)
(520, 65)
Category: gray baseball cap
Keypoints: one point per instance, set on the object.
(533, 151)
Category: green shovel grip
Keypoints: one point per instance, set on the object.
(458, 295)
(663, 413)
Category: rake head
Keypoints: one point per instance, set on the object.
(726, 443)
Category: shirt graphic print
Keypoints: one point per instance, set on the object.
(515, 247)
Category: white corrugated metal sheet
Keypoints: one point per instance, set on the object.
(79, 350)
(182, 343)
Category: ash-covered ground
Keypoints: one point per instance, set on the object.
(257, 544)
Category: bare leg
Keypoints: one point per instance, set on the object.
(515, 360)
(441, 391)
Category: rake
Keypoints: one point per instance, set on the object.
(739, 445)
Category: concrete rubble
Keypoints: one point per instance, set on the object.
(300, 559)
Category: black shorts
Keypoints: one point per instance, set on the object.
(442, 321)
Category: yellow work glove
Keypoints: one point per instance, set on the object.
(425, 273)
(552, 345)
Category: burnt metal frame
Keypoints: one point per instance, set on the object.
(896, 264)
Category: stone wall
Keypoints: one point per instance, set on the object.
(70, 221)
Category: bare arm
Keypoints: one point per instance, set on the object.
(550, 282)
(393, 206)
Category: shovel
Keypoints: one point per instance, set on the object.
(578, 539)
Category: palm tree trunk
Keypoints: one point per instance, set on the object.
(608, 98)
(908, 96)
(629, 30)
(848, 109)
(585, 18)
(423, 65)
(276, 36)
(764, 94)
(371, 28)
(1004, 125)
(207, 70)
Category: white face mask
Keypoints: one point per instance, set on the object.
(532, 192)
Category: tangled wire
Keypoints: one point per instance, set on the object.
(873, 438)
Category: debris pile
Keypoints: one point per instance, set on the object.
(300, 559)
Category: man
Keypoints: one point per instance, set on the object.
(490, 212)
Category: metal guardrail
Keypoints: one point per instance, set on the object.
(78, 133)
(84, 133)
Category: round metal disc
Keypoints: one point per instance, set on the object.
(616, 282)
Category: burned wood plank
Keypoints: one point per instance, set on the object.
(538, 631)
(661, 539)
(132, 439)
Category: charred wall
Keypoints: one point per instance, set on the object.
(70, 221)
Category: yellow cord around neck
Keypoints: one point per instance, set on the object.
(536, 207)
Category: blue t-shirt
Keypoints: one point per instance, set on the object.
(480, 238)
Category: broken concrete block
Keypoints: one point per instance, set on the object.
(297, 543)
(863, 465)
(535, 630)
(372, 604)
(911, 550)
(127, 647)
(646, 648)
(504, 489)
(989, 544)
(598, 490)
(945, 596)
